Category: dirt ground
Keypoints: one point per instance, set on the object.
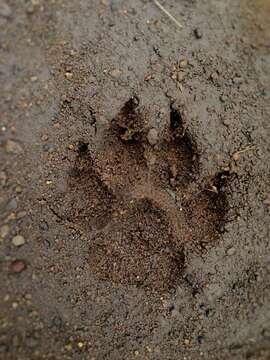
(134, 180)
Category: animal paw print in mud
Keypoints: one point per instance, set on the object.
(141, 206)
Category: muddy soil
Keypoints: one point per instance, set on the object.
(134, 180)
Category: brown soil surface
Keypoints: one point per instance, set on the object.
(134, 180)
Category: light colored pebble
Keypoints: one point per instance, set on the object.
(18, 189)
(152, 136)
(231, 251)
(12, 147)
(5, 10)
(183, 63)
(115, 73)
(4, 230)
(21, 214)
(18, 240)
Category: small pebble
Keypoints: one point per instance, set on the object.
(223, 98)
(214, 76)
(69, 75)
(17, 266)
(30, 9)
(180, 76)
(71, 147)
(12, 205)
(237, 80)
(44, 137)
(80, 345)
(183, 63)
(68, 347)
(152, 136)
(115, 73)
(18, 240)
(4, 230)
(226, 122)
(47, 244)
(231, 251)
(45, 147)
(12, 147)
(15, 305)
(236, 156)
(198, 33)
(5, 10)
(43, 225)
(18, 189)
(21, 214)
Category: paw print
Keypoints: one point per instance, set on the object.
(143, 206)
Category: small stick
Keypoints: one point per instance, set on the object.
(236, 154)
(167, 13)
(249, 147)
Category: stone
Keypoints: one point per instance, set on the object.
(115, 73)
(46, 147)
(30, 9)
(44, 137)
(183, 63)
(13, 147)
(5, 10)
(18, 189)
(17, 266)
(231, 251)
(180, 76)
(21, 214)
(152, 136)
(43, 225)
(18, 240)
(12, 205)
(223, 98)
(237, 80)
(198, 33)
(68, 75)
(4, 230)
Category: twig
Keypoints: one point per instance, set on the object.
(249, 147)
(167, 13)
(236, 154)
